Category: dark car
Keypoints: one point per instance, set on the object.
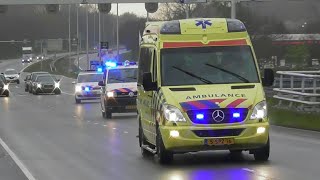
(4, 86)
(33, 77)
(46, 84)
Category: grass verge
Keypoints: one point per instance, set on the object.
(291, 118)
(62, 67)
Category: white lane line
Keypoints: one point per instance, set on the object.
(67, 93)
(96, 123)
(15, 158)
(114, 128)
(126, 132)
(248, 170)
(105, 125)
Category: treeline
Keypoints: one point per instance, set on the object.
(33, 23)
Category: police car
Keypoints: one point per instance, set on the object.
(86, 86)
(199, 89)
(119, 88)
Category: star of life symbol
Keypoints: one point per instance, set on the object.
(203, 23)
(218, 115)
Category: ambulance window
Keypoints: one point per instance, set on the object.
(144, 62)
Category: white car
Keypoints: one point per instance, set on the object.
(12, 75)
(86, 86)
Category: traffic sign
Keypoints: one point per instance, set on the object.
(104, 45)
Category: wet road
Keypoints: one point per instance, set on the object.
(57, 139)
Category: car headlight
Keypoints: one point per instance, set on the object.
(57, 85)
(6, 87)
(110, 94)
(260, 111)
(78, 88)
(38, 85)
(173, 114)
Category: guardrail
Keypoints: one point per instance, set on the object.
(303, 90)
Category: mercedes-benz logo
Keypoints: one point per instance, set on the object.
(218, 115)
(131, 94)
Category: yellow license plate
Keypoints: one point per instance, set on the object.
(217, 142)
(131, 107)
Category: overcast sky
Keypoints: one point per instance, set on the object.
(137, 8)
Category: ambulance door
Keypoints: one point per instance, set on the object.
(144, 99)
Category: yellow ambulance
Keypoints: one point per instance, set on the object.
(200, 89)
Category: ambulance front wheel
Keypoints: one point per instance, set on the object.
(262, 154)
(164, 156)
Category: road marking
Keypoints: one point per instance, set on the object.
(96, 123)
(126, 132)
(114, 128)
(15, 158)
(105, 125)
(248, 170)
(67, 93)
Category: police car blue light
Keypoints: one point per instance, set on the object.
(99, 70)
(87, 89)
(111, 64)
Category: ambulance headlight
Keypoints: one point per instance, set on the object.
(259, 111)
(78, 89)
(173, 114)
(110, 94)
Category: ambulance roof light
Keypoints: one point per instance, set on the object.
(171, 27)
(235, 25)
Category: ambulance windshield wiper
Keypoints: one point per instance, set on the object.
(229, 72)
(193, 75)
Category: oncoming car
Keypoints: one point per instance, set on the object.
(119, 88)
(4, 87)
(12, 75)
(30, 80)
(86, 86)
(46, 84)
(199, 89)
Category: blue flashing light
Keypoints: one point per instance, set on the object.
(87, 89)
(200, 116)
(99, 70)
(111, 64)
(236, 115)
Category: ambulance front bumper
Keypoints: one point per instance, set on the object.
(192, 139)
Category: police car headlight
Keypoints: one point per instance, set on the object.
(260, 111)
(78, 88)
(173, 114)
(110, 94)
(57, 85)
(39, 85)
(6, 87)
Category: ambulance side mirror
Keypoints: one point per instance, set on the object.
(268, 78)
(147, 83)
(101, 83)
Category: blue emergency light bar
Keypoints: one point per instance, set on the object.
(111, 64)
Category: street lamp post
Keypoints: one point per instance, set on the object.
(78, 37)
(87, 46)
(118, 32)
(69, 37)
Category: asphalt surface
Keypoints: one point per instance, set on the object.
(57, 139)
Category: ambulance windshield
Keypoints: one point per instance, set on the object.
(208, 65)
(122, 75)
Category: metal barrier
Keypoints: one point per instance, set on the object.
(299, 87)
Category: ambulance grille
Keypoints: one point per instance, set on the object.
(228, 114)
